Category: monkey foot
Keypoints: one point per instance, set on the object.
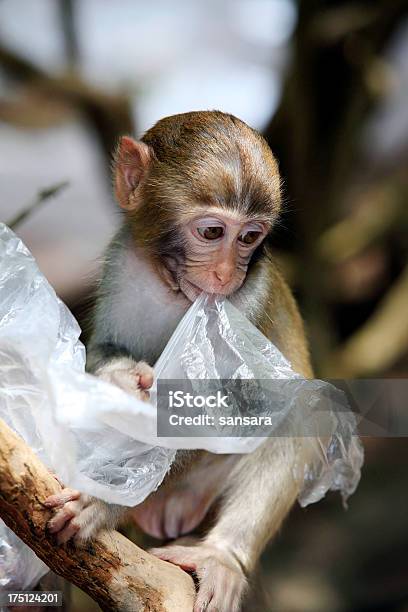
(221, 580)
(78, 516)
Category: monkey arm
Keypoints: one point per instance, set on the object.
(80, 516)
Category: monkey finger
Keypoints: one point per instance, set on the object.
(221, 588)
(202, 603)
(59, 499)
(209, 600)
(178, 519)
(146, 381)
(68, 532)
(178, 555)
(149, 519)
(145, 375)
(60, 519)
(172, 526)
(227, 592)
(90, 520)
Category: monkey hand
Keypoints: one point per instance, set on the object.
(134, 377)
(80, 517)
(222, 582)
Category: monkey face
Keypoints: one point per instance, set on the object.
(217, 250)
(200, 192)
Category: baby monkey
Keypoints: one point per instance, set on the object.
(200, 193)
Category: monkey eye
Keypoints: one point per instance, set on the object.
(211, 232)
(249, 237)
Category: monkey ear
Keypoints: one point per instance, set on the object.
(131, 162)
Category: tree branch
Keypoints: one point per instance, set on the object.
(379, 342)
(376, 212)
(112, 570)
(109, 115)
(42, 196)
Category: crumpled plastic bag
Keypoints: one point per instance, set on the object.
(104, 442)
(214, 341)
(20, 568)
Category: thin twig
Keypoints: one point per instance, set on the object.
(43, 196)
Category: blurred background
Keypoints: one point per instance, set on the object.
(326, 82)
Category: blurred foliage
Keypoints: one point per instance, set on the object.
(348, 219)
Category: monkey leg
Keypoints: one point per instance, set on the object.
(260, 490)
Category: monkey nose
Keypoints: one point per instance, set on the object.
(223, 276)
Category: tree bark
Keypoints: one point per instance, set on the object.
(112, 570)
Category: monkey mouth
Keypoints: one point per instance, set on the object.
(193, 291)
(190, 290)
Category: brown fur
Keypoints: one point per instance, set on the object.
(184, 165)
(207, 158)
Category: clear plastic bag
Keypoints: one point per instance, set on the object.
(20, 568)
(214, 341)
(104, 442)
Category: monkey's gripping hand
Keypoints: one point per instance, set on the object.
(81, 516)
(222, 582)
(134, 377)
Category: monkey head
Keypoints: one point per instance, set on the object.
(201, 191)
